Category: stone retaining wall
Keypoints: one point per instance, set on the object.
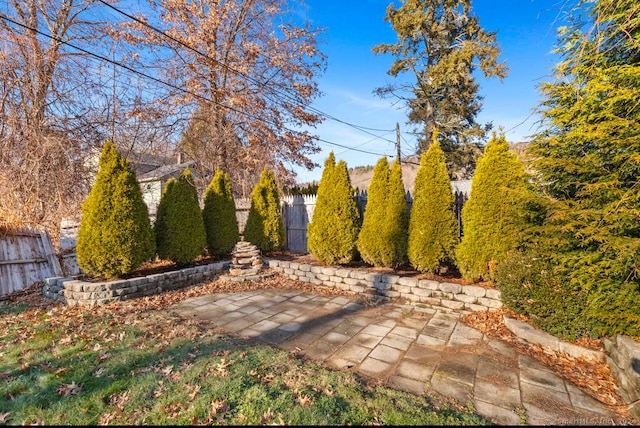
(75, 292)
(623, 358)
(445, 295)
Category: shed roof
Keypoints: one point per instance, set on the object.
(164, 171)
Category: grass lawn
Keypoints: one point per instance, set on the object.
(131, 363)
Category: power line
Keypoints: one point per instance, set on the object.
(246, 76)
(155, 79)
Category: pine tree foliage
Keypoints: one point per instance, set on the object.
(443, 46)
(179, 228)
(333, 230)
(433, 233)
(372, 242)
(219, 215)
(588, 161)
(397, 223)
(264, 226)
(115, 235)
(493, 219)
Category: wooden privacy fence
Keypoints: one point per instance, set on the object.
(26, 256)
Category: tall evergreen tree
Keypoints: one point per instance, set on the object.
(372, 242)
(264, 226)
(442, 44)
(588, 161)
(493, 218)
(219, 215)
(115, 235)
(397, 223)
(333, 230)
(179, 228)
(433, 234)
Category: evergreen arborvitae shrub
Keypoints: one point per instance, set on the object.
(115, 235)
(372, 242)
(264, 226)
(179, 228)
(492, 218)
(219, 216)
(433, 233)
(397, 223)
(333, 230)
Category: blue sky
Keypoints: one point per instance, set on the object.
(526, 34)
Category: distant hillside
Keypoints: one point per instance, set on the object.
(361, 176)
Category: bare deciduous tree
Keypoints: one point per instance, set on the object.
(45, 111)
(246, 70)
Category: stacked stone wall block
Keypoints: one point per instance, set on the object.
(452, 304)
(408, 282)
(450, 288)
(392, 294)
(422, 292)
(465, 298)
(305, 268)
(434, 301)
(344, 273)
(428, 284)
(382, 286)
(490, 303)
(473, 307)
(329, 271)
(410, 297)
(358, 275)
(373, 277)
(474, 290)
(357, 288)
(288, 271)
(493, 294)
(316, 269)
(294, 265)
(335, 278)
(403, 289)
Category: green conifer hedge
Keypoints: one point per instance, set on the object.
(264, 226)
(333, 230)
(493, 218)
(219, 215)
(179, 228)
(433, 234)
(115, 235)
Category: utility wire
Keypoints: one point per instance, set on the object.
(246, 76)
(155, 79)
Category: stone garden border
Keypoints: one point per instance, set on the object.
(439, 295)
(75, 292)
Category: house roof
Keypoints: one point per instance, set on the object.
(164, 171)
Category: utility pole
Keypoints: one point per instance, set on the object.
(398, 141)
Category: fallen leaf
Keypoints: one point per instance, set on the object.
(4, 417)
(67, 389)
